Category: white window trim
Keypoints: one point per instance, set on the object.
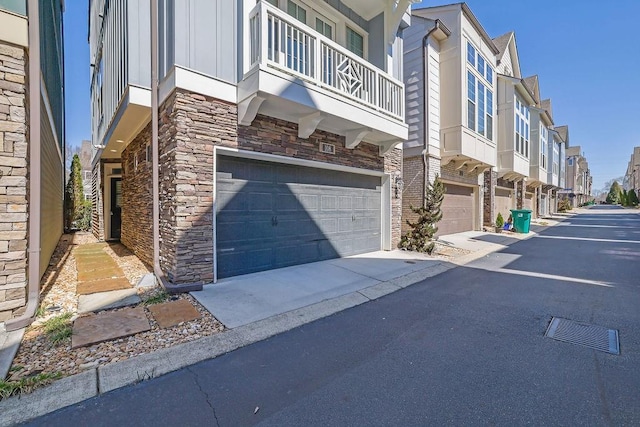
(526, 146)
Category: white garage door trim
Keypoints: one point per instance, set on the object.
(385, 199)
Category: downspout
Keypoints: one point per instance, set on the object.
(33, 260)
(425, 104)
(171, 288)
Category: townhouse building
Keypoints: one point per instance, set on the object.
(631, 179)
(578, 177)
(556, 173)
(515, 100)
(451, 83)
(279, 135)
(31, 151)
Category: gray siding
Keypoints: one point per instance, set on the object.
(139, 43)
(377, 43)
(51, 185)
(414, 83)
(205, 37)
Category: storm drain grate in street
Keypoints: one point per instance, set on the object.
(595, 337)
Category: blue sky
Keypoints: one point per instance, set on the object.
(585, 52)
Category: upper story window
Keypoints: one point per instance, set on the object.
(476, 61)
(556, 159)
(522, 128)
(543, 146)
(570, 161)
(355, 42)
(297, 11)
(479, 93)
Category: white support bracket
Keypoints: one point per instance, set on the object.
(395, 16)
(308, 124)
(387, 146)
(248, 109)
(354, 137)
(462, 165)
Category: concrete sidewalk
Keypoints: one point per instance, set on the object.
(257, 306)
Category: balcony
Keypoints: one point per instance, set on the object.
(295, 73)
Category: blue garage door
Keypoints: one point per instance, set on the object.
(272, 215)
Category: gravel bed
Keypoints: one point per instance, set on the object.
(38, 354)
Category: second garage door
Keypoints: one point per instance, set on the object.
(271, 215)
(457, 210)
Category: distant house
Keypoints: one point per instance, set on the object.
(450, 64)
(31, 151)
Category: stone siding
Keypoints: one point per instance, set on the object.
(137, 197)
(13, 181)
(489, 202)
(190, 126)
(414, 182)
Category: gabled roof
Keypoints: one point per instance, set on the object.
(506, 42)
(502, 42)
(532, 84)
(545, 104)
(563, 131)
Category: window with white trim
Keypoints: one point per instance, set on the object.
(543, 146)
(522, 128)
(297, 11)
(479, 93)
(355, 42)
(556, 159)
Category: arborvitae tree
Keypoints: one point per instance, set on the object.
(624, 201)
(74, 194)
(420, 237)
(632, 198)
(615, 194)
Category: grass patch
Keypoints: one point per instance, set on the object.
(26, 384)
(58, 328)
(156, 299)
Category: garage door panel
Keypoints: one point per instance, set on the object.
(304, 215)
(457, 210)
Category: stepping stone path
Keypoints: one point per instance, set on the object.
(174, 312)
(108, 325)
(102, 285)
(101, 282)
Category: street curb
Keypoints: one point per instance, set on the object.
(85, 385)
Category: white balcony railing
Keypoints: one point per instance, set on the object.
(280, 41)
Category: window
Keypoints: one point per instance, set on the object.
(481, 108)
(297, 11)
(471, 54)
(273, 2)
(556, 159)
(471, 100)
(479, 93)
(489, 115)
(355, 42)
(570, 161)
(543, 146)
(522, 128)
(489, 74)
(324, 27)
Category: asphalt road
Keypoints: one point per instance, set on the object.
(466, 347)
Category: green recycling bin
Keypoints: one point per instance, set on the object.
(521, 220)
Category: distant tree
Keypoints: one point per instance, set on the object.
(632, 198)
(615, 194)
(420, 237)
(74, 194)
(623, 198)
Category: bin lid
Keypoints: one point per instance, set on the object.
(521, 210)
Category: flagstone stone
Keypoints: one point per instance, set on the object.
(173, 312)
(108, 326)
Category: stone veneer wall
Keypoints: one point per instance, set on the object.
(190, 126)
(489, 202)
(13, 181)
(97, 208)
(137, 197)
